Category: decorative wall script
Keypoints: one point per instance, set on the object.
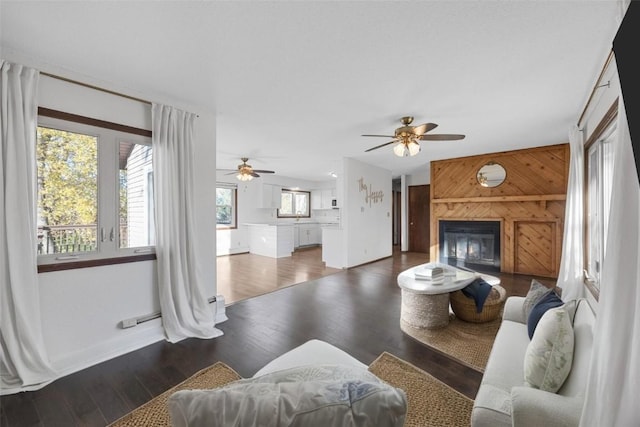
(370, 195)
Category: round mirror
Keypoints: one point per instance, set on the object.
(491, 175)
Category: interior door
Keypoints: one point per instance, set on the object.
(419, 218)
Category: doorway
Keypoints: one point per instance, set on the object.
(396, 215)
(419, 218)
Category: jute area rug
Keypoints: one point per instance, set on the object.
(469, 343)
(429, 401)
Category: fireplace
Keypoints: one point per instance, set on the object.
(470, 244)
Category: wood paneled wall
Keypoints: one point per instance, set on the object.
(529, 204)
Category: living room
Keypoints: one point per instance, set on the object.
(82, 309)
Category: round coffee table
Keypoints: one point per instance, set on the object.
(425, 303)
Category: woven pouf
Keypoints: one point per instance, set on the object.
(465, 308)
(425, 311)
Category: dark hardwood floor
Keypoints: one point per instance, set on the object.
(357, 310)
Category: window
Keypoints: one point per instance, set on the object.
(136, 215)
(226, 206)
(95, 192)
(599, 172)
(294, 203)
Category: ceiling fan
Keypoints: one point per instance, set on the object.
(407, 137)
(245, 172)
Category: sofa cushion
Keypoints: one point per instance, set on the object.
(547, 361)
(548, 301)
(301, 396)
(536, 291)
(583, 329)
(492, 405)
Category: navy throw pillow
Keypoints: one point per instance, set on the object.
(550, 300)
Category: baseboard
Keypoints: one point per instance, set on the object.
(141, 336)
(234, 251)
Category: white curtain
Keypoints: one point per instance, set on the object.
(614, 378)
(23, 357)
(570, 276)
(183, 300)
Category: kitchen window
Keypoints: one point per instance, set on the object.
(226, 206)
(94, 191)
(294, 204)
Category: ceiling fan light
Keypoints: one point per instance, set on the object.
(400, 150)
(244, 177)
(414, 148)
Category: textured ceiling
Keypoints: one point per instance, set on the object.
(294, 84)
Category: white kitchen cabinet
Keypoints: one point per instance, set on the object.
(316, 199)
(321, 198)
(296, 236)
(326, 198)
(308, 234)
(270, 196)
(315, 236)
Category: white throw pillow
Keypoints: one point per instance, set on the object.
(549, 355)
(303, 396)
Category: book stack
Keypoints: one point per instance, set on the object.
(430, 273)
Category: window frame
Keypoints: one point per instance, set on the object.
(307, 214)
(108, 252)
(605, 130)
(234, 207)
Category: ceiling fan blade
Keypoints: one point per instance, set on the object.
(381, 145)
(383, 136)
(254, 175)
(441, 137)
(262, 171)
(424, 128)
(231, 173)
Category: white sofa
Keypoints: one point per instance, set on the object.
(504, 400)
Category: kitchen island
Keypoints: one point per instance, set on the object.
(272, 240)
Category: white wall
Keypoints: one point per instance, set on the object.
(82, 308)
(233, 241)
(366, 223)
(421, 176)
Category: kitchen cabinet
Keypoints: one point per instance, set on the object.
(321, 198)
(308, 234)
(316, 199)
(270, 196)
(296, 236)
